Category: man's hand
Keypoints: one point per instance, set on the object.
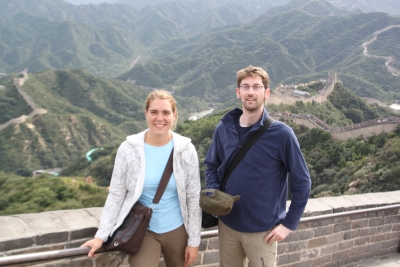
(95, 244)
(190, 254)
(279, 233)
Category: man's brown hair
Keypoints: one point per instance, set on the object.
(251, 71)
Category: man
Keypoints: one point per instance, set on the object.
(259, 219)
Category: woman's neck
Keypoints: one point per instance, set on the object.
(157, 140)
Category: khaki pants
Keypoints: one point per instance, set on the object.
(171, 244)
(235, 246)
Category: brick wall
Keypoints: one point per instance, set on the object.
(333, 231)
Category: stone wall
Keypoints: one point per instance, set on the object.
(333, 231)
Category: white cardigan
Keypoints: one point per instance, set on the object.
(128, 179)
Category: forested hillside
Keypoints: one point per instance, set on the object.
(193, 49)
(83, 112)
(290, 46)
(342, 161)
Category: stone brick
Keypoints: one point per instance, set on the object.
(393, 235)
(396, 227)
(367, 231)
(345, 261)
(357, 250)
(317, 242)
(362, 241)
(320, 223)
(282, 248)
(289, 258)
(197, 261)
(341, 219)
(346, 244)
(329, 249)
(203, 244)
(80, 223)
(359, 224)
(14, 234)
(47, 228)
(328, 264)
(384, 229)
(302, 235)
(288, 238)
(351, 234)
(110, 259)
(296, 246)
(322, 231)
(374, 214)
(210, 257)
(390, 243)
(373, 247)
(340, 227)
(335, 238)
(15, 244)
(376, 221)
(378, 238)
(322, 260)
(81, 262)
(302, 264)
(357, 216)
(213, 243)
(340, 255)
(389, 212)
(392, 219)
(303, 225)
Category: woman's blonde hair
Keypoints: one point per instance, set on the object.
(163, 94)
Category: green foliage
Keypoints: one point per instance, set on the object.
(354, 108)
(45, 193)
(12, 104)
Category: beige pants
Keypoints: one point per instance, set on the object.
(171, 244)
(238, 249)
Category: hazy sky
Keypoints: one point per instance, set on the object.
(85, 2)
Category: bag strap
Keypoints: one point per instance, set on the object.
(164, 179)
(244, 149)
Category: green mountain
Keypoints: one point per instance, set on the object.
(83, 112)
(333, 164)
(38, 43)
(102, 39)
(387, 6)
(44, 193)
(289, 46)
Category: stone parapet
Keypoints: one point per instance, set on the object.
(325, 237)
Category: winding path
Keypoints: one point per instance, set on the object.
(18, 82)
(388, 59)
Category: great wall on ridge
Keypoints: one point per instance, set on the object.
(366, 128)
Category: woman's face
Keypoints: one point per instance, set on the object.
(159, 116)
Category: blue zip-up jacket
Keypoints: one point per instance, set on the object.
(261, 178)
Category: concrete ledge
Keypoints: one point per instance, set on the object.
(318, 240)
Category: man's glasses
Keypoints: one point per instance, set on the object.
(247, 87)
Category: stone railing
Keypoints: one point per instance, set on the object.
(333, 231)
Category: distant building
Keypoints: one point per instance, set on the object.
(55, 172)
(301, 93)
(395, 107)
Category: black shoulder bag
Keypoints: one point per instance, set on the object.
(209, 220)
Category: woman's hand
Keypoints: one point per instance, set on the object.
(95, 244)
(190, 254)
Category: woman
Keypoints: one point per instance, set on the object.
(176, 221)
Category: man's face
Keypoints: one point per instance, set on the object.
(254, 97)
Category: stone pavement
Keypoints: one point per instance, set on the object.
(390, 260)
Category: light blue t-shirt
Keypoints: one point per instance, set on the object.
(167, 213)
